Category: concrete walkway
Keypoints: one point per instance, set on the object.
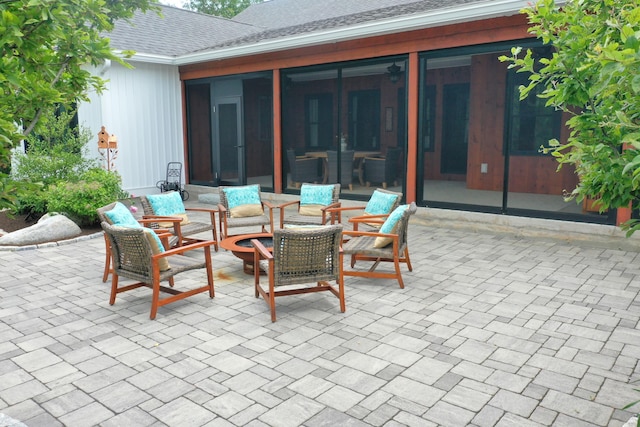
(492, 329)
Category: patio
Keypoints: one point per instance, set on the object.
(492, 329)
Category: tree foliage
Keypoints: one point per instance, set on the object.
(223, 8)
(593, 76)
(46, 47)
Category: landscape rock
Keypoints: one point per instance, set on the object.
(48, 228)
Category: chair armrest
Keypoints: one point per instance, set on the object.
(325, 211)
(212, 212)
(331, 206)
(357, 233)
(370, 218)
(345, 208)
(336, 212)
(201, 209)
(182, 249)
(269, 205)
(261, 249)
(154, 219)
(286, 204)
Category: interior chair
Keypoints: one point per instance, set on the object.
(300, 257)
(242, 206)
(183, 228)
(381, 203)
(302, 169)
(346, 167)
(138, 254)
(311, 208)
(382, 170)
(388, 244)
(117, 213)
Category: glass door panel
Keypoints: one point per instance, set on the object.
(229, 141)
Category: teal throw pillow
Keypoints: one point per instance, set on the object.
(166, 204)
(380, 203)
(389, 226)
(245, 195)
(122, 217)
(316, 194)
(392, 220)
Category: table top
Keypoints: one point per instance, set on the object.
(242, 242)
(356, 154)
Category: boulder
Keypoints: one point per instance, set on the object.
(49, 228)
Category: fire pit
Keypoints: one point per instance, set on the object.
(241, 247)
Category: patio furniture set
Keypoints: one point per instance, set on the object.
(308, 247)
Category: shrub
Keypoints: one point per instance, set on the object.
(79, 200)
(56, 152)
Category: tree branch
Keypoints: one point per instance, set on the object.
(33, 123)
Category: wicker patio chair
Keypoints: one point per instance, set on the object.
(170, 204)
(302, 169)
(138, 255)
(123, 217)
(242, 206)
(300, 257)
(389, 244)
(346, 167)
(311, 208)
(382, 169)
(381, 203)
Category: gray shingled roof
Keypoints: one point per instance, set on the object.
(182, 32)
(286, 13)
(406, 8)
(177, 32)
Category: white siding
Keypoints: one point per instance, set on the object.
(142, 107)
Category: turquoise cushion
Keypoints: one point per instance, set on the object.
(393, 219)
(121, 216)
(380, 203)
(245, 195)
(166, 204)
(316, 194)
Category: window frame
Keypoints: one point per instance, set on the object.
(535, 110)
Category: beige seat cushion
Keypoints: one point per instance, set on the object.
(311, 210)
(243, 211)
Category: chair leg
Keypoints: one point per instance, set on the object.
(156, 294)
(107, 260)
(272, 300)
(114, 288)
(396, 263)
(407, 259)
(207, 256)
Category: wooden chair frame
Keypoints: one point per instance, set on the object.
(312, 247)
(182, 232)
(131, 243)
(145, 222)
(226, 221)
(298, 219)
(360, 247)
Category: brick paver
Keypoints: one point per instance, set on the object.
(491, 330)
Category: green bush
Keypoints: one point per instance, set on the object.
(79, 200)
(56, 152)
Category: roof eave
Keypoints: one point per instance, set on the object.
(464, 13)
